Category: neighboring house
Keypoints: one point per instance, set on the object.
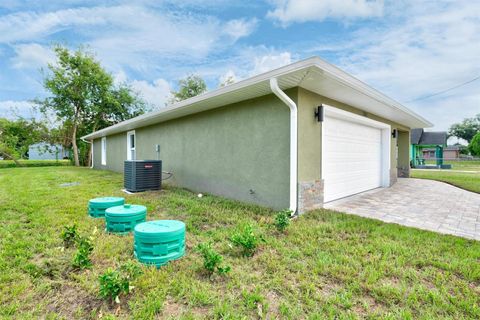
(294, 137)
(425, 145)
(449, 153)
(46, 151)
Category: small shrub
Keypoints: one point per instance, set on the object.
(247, 240)
(131, 270)
(114, 283)
(69, 235)
(81, 259)
(282, 220)
(212, 260)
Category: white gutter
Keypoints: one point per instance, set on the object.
(293, 141)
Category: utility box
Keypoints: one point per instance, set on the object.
(142, 175)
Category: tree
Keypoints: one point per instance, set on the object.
(17, 135)
(7, 142)
(474, 145)
(467, 129)
(191, 86)
(84, 97)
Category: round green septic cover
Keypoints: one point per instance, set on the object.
(126, 209)
(106, 202)
(153, 228)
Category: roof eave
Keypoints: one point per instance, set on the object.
(307, 64)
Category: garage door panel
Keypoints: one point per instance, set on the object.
(352, 157)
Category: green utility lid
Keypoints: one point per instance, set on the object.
(126, 209)
(161, 260)
(106, 202)
(152, 229)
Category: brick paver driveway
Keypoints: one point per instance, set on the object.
(423, 204)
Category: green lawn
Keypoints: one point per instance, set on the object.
(465, 165)
(34, 163)
(464, 180)
(327, 265)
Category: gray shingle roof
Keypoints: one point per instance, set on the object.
(438, 138)
(420, 137)
(415, 135)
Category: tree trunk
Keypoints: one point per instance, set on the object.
(74, 145)
(7, 155)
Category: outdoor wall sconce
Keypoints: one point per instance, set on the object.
(394, 133)
(319, 113)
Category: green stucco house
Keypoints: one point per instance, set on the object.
(295, 137)
(421, 141)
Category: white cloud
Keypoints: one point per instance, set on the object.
(120, 77)
(271, 61)
(11, 109)
(32, 55)
(427, 50)
(289, 11)
(26, 26)
(155, 94)
(129, 34)
(240, 28)
(229, 77)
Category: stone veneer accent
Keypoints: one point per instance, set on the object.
(310, 195)
(393, 176)
(403, 172)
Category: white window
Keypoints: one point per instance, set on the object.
(104, 151)
(131, 143)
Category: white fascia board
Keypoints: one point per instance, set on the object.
(190, 106)
(364, 88)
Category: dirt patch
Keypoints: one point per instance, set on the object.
(329, 287)
(391, 282)
(273, 301)
(71, 302)
(368, 305)
(174, 310)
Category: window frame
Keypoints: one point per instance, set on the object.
(104, 151)
(129, 147)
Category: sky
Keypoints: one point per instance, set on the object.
(409, 50)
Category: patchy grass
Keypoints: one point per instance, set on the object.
(465, 180)
(326, 265)
(34, 163)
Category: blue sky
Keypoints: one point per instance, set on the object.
(406, 49)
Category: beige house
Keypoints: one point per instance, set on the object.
(295, 137)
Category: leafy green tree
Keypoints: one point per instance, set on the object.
(17, 135)
(7, 152)
(191, 86)
(474, 145)
(467, 129)
(84, 97)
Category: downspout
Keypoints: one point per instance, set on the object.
(293, 141)
(91, 142)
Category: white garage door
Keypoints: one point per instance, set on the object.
(352, 158)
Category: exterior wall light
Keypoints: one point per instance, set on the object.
(319, 113)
